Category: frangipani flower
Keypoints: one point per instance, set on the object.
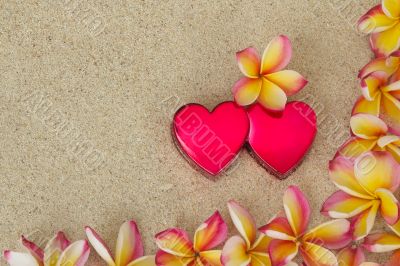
(247, 249)
(291, 236)
(177, 249)
(351, 256)
(379, 92)
(366, 186)
(383, 21)
(129, 248)
(389, 65)
(58, 252)
(265, 80)
(370, 133)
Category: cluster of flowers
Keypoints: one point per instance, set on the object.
(366, 170)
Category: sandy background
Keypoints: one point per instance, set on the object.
(109, 75)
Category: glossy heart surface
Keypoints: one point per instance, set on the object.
(280, 142)
(211, 140)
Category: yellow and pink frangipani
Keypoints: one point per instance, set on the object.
(370, 133)
(265, 80)
(290, 235)
(247, 249)
(58, 252)
(129, 247)
(366, 187)
(383, 23)
(381, 96)
(176, 248)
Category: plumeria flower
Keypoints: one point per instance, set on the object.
(177, 249)
(129, 248)
(379, 93)
(291, 236)
(247, 249)
(389, 65)
(351, 256)
(366, 187)
(58, 252)
(265, 80)
(383, 22)
(370, 133)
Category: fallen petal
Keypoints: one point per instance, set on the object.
(98, 244)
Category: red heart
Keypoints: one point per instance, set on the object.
(281, 142)
(212, 140)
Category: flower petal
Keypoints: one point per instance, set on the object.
(98, 244)
(342, 205)
(176, 242)
(262, 243)
(277, 55)
(54, 249)
(391, 8)
(260, 259)
(386, 140)
(243, 222)
(249, 62)
(297, 209)
(386, 42)
(381, 242)
(351, 256)
(341, 172)
(354, 147)
(367, 126)
(364, 222)
(129, 244)
(368, 107)
(374, 170)
(278, 228)
(334, 234)
(211, 257)
(315, 255)
(75, 254)
(392, 107)
(395, 151)
(234, 252)
(289, 81)
(392, 86)
(35, 251)
(211, 233)
(271, 96)
(247, 90)
(375, 20)
(378, 64)
(144, 261)
(167, 259)
(370, 86)
(282, 252)
(18, 259)
(389, 206)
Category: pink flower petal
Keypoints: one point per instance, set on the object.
(235, 252)
(391, 8)
(364, 222)
(386, 42)
(315, 255)
(167, 259)
(243, 221)
(129, 244)
(369, 107)
(75, 254)
(375, 20)
(381, 242)
(354, 147)
(297, 209)
(247, 90)
(278, 228)
(20, 259)
(351, 256)
(367, 126)
(277, 55)
(389, 206)
(55, 247)
(249, 62)
(35, 251)
(98, 244)
(289, 81)
(176, 242)
(282, 252)
(211, 233)
(144, 261)
(378, 64)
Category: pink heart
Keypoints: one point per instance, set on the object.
(281, 142)
(212, 140)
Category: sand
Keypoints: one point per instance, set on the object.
(109, 74)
